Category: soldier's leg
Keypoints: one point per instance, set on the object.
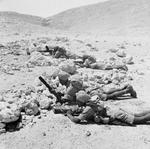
(113, 93)
(142, 119)
(117, 94)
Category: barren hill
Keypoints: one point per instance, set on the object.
(113, 17)
(13, 24)
(10, 17)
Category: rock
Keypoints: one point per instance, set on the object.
(44, 134)
(11, 100)
(68, 66)
(47, 94)
(31, 109)
(1, 98)
(113, 50)
(88, 133)
(2, 125)
(40, 89)
(44, 112)
(10, 113)
(85, 77)
(128, 60)
(121, 53)
(91, 78)
(2, 46)
(3, 105)
(2, 131)
(140, 73)
(37, 59)
(45, 102)
(29, 90)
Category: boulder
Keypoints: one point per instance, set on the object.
(45, 102)
(9, 113)
(68, 66)
(37, 59)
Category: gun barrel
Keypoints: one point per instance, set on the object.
(51, 90)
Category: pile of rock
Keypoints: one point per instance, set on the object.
(18, 105)
(37, 59)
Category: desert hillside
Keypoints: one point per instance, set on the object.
(14, 16)
(116, 17)
(13, 24)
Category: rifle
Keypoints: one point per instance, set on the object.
(63, 109)
(51, 90)
(47, 49)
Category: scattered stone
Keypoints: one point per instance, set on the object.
(45, 102)
(88, 133)
(37, 59)
(40, 89)
(1, 98)
(113, 50)
(140, 73)
(128, 60)
(2, 46)
(47, 93)
(2, 131)
(121, 53)
(11, 100)
(29, 90)
(44, 134)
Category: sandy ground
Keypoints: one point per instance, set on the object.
(57, 131)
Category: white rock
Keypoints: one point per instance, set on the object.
(128, 60)
(45, 103)
(10, 113)
(121, 53)
(37, 59)
(46, 93)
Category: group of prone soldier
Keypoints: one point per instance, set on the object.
(83, 61)
(85, 104)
